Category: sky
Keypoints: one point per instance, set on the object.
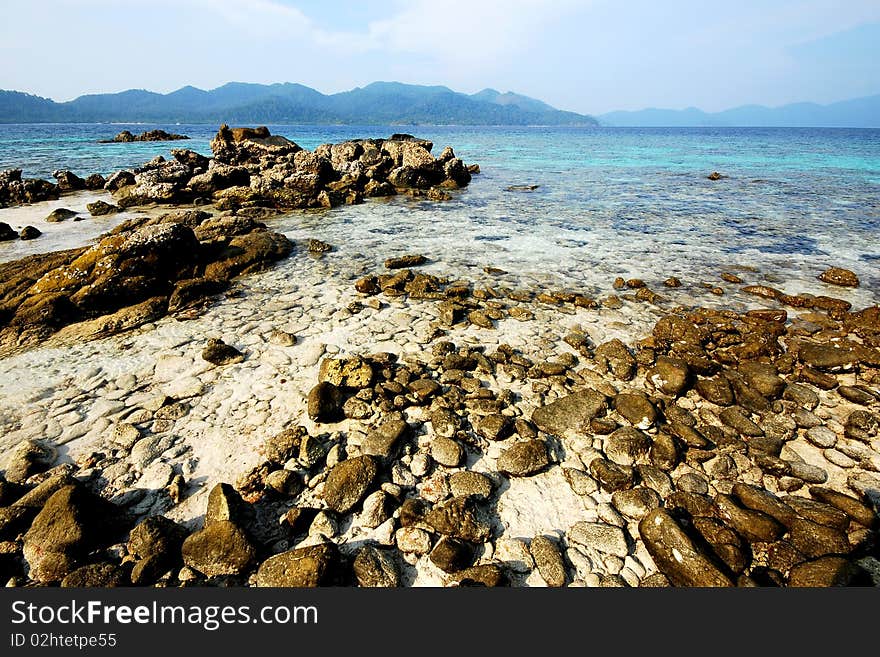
(588, 56)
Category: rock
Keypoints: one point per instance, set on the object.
(284, 482)
(354, 372)
(664, 452)
(68, 181)
(758, 499)
(95, 182)
(675, 554)
(29, 233)
(489, 575)
(150, 135)
(368, 285)
(570, 413)
(102, 208)
(735, 418)
(524, 459)
(444, 422)
(715, 176)
(616, 358)
(97, 575)
(611, 476)
(447, 452)
(405, 261)
(460, 518)
(763, 378)
(221, 548)
(375, 568)
(310, 567)
(627, 445)
(451, 554)
(549, 561)
(635, 503)
(72, 523)
(725, 543)
(225, 504)
(218, 352)
(752, 525)
(156, 535)
(28, 458)
(281, 447)
(819, 512)
(852, 507)
(802, 395)
(14, 190)
(467, 483)
(715, 390)
(385, 439)
(607, 539)
(494, 426)
(636, 408)
(824, 572)
(822, 436)
(856, 395)
(413, 540)
(348, 483)
(60, 214)
(815, 540)
(839, 276)
(669, 376)
(325, 403)
(860, 425)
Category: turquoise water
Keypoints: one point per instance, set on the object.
(611, 201)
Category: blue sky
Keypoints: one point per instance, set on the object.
(589, 56)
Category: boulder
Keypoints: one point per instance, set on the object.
(570, 413)
(839, 276)
(221, 548)
(349, 482)
(68, 181)
(299, 568)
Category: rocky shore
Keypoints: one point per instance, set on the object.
(334, 420)
(126, 137)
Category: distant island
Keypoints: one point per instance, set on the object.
(380, 103)
(856, 113)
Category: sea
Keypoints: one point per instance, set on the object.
(607, 202)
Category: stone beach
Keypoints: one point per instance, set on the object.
(242, 408)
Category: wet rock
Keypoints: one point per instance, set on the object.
(637, 409)
(405, 261)
(627, 445)
(549, 561)
(604, 538)
(856, 395)
(524, 458)
(60, 214)
(348, 483)
(325, 403)
(570, 413)
(763, 378)
(461, 518)
(664, 452)
(225, 504)
(839, 276)
(218, 352)
(691, 482)
(451, 554)
(669, 376)
(675, 554)
(376, 568)
(802, 395)
(305, 567)
(102, 208)
(385, 439)
(819, 512)
(29, 233)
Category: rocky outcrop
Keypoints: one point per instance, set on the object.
(15, 190)
(169, 262)
(253, 168)
(126, 137)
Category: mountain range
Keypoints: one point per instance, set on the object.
(378, 103)
(857, 113)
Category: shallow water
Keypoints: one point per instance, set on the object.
(611, 201)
